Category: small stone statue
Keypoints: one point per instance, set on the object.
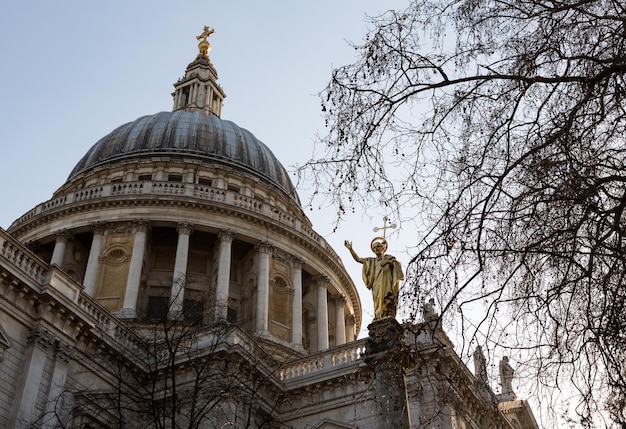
(428, 310)
(506, 378)
(480, 365)
(382, 276)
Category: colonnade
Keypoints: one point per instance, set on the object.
(197, 93)
(343, 331)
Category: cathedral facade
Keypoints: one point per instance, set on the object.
(174, 281)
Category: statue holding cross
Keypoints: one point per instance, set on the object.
(382, 274)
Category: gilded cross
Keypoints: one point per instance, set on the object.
(385, 227)
(205, 34)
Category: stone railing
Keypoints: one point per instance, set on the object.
(201, 192)
(57, 285)
(22, 258)
(109, 325)
(322, 364)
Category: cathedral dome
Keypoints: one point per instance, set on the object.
(185, 214)
(187, 133)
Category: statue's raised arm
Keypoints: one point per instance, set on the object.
(356, 257)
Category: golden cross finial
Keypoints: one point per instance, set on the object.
(204, 46)
(205, 33)
(385, 227)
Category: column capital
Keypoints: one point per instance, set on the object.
(64, 352)
(141, 225)
(226, 235)
(98, 228)
(184, 228)
(322, 280)
(351, 319)
(297, 263)
(339, 299)
(264, 247)
(41, 337)
(62, 236)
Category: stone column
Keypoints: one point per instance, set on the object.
(322, 313)
(350, 322)
(264, 251)
(60, 367)
(129, 309)
(207, 97)
(223, 275)
(180, 269)
(340, 322)
(59, 248)
(39, 342)
(91, 273)
(296, 321)
(388, 359)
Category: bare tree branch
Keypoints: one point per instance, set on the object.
(499, 126)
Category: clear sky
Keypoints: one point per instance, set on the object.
(71, 72)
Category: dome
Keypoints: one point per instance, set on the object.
(184, 214)
(188, 134)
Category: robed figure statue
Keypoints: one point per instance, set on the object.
(382, 276)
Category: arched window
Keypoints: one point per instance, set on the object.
(280, 308)
(112, 277)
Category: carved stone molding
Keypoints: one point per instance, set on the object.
(99, 228)
(64, 352)
(62, 236)
(184, 228)
(41, 337)
(141, 225)
(297, 263)
(264, 247)
(120, 229)
(339, 299)
(226, 235)
(321, 280)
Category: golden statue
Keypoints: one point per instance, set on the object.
(382, 276)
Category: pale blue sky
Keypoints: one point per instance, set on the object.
(74, 71)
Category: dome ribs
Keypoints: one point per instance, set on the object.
(188, 134)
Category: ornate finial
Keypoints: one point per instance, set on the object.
(385, 227)
(205, 33)
(204, 46)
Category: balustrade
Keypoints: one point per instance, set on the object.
(202, 192)
(22, 258)
(326, 361)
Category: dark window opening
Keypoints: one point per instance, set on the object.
(157, 307)
(193, 310)
(231, 315)
(205, 182)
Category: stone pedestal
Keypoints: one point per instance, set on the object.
(387, 357)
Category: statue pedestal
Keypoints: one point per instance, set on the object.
(387, 357)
